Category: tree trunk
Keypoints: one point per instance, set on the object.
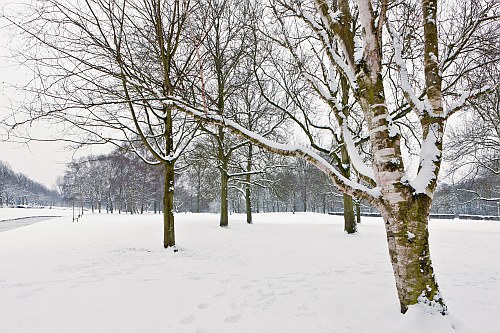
(408, 241)
(248, 198)
(224, 212)
(198, 194)
(323, 199)
(248, 204)
(349, 220)
(304, 194)
(168, 206)
(358, 212)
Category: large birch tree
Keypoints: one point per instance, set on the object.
(355, 37)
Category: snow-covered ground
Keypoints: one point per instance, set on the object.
(11, 218)
(16, 213)
(284, 274)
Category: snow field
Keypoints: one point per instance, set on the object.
(286, 273)
(16, 213)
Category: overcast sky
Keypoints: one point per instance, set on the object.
(41, 161)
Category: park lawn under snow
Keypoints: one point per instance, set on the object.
(284, 274)
(17, 213)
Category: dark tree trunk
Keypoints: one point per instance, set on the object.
(248, 198)
(224, 179)
(349, 220)
(358, 212)
(198, 195)
(168, 186)
(323, 198)
(168, 206)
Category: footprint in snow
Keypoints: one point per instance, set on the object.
(189, 319)
(201, 330)
(202, 306)
(232, 319)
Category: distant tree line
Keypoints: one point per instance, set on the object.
(18, 189)
(120, 182)
(478, 196)
(115, 182)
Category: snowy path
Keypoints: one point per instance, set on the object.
(286, 273)
(21, 222)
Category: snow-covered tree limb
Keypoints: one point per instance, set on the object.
(408, 90)
(352, 188)
(465, 96)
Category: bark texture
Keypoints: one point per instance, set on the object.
(248, 193)
(349, 221)
(224, 180)
(168, 206)
(408, 241)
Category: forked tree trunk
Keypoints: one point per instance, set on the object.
(408, 242)
(168, 206)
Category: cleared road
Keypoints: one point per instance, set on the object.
(21, 222)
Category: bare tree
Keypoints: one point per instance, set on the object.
(104, 67)
(473, 142)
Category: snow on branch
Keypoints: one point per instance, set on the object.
(462, 40)
(408, 91)
(356, 160)
(318, 86)
(366, 17)
(464, 97)
(350, 187)
(479, 196)
(429, 155)
(244, 173)
(329, 47)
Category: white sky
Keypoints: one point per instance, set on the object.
(41, 161)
